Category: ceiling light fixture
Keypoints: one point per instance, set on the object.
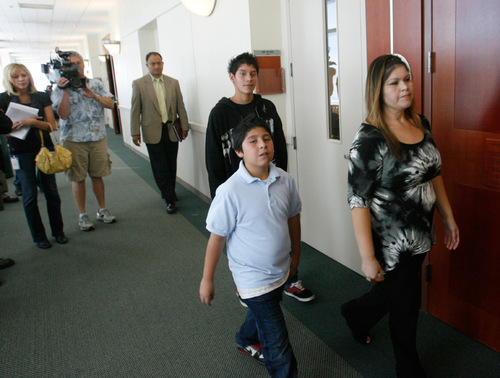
(113, 47)
(200, 7)
(36, 6)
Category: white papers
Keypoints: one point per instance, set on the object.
(17, 112)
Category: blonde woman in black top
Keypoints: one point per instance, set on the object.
(20, 89)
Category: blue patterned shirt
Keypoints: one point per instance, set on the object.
(86, 118)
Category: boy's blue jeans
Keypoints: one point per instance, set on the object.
(265, 323)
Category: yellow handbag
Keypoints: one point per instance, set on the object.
(53, 162)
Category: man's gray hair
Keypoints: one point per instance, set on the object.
(75, 53)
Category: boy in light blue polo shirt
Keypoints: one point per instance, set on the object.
(257, 212)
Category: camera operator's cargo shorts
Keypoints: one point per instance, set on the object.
(88, 157)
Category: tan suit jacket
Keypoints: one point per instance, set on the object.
(145, 110)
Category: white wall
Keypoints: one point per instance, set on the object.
(196, 51)
(267, 33)
(127, 68)
(148, 42)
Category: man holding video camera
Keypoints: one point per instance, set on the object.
(80, 103)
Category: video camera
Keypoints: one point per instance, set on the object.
(62, 67)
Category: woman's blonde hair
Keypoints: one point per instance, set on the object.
(379, 71)
(9, 72)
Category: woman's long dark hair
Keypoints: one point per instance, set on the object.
(380, 69)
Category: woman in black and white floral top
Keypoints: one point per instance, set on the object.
(394, 185)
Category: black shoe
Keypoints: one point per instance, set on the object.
(299, 292)
(9, 199)
(361, 337)
(61, 239)
(171, 208)
(5, 263)
(44, 244)
(19, 192)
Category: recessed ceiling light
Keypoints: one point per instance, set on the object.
(36, 6)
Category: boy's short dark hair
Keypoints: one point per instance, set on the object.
(153, 53)
(245, 58)
(241, 130)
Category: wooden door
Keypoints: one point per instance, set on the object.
(465, 289)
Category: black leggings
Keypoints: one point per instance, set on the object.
(399, 295)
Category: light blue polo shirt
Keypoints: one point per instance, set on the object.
(253, 215)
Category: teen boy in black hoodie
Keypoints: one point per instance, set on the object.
(220, 158)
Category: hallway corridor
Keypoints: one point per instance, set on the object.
(122, 301)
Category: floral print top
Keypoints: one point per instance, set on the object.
(399, 194)
(86, 121)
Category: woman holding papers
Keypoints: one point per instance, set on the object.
(20, 90)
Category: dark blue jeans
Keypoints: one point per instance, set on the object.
(265, 323)
(27, 175)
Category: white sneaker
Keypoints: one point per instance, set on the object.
(85, 223)
(104, 215)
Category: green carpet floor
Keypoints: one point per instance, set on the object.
(122, 301)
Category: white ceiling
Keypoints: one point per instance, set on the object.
(31, 29)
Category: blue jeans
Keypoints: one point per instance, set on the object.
(265, 323)
(27, 175)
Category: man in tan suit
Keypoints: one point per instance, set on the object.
(156, 104)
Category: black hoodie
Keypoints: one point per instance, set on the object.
(221, 160)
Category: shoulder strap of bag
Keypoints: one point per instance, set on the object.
(51, 130)
(41, 137)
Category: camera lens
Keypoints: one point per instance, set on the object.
(77, 82)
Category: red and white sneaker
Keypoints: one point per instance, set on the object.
(254, 351)
(299, 292)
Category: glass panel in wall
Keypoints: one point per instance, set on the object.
(333, 77)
